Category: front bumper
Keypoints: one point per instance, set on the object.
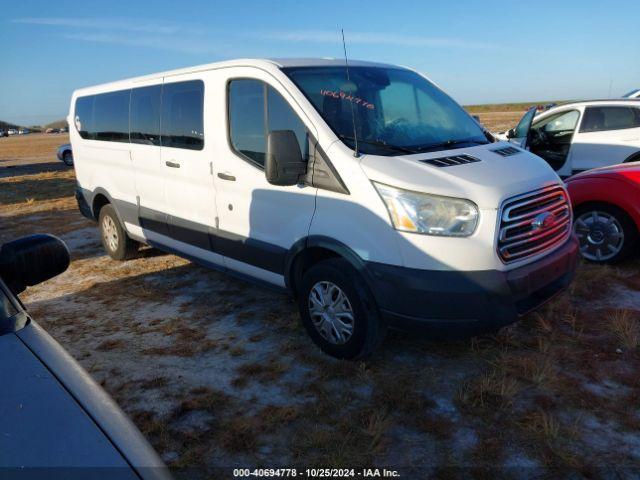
(455, 304)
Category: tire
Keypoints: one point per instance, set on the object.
(67, 158)
(606, 233)
(115, 240)
(367, 326)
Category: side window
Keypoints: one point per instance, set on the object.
(598, 119)
(256, 109)
(525, 124)
(280, 116)
(111, 116)
(83, 118)
(563, 122)
(182, 124)
(247, 119)
(144, 115)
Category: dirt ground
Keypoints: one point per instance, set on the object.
(218, 373)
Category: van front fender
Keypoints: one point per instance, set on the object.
(319, 247)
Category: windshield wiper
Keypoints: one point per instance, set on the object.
(449, 143)
(380, 143)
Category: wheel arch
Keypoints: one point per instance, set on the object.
(310, 250)
(99, 198)
(605, 190)
(577, 208)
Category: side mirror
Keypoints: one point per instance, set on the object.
(31, 260)
(284, 164)
(511, 133)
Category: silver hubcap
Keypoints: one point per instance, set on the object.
(600, 234)
(331, 312)
(110, 233)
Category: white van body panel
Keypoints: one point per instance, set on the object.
(249, 206)
(359, 220)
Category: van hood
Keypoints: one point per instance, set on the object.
(486, 182)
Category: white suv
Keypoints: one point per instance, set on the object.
(579, 136)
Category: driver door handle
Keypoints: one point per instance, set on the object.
(226, 176)
(172, 164)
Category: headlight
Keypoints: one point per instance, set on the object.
(429, 214)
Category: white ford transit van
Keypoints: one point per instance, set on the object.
(367, 193)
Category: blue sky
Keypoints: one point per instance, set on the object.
(478, 51)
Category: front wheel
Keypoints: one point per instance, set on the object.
(338, 310)
(115, 240)
(606, 233)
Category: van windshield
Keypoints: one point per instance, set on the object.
(396, 111)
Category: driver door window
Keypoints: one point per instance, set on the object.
(564, 122)
(255, 110)
(552, 136)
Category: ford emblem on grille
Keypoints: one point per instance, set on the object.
(543, 221)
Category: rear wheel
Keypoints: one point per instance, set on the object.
(606, 233)
(67, 158)
(338, 311)
(115, 240)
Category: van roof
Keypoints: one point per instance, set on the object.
(325, 62)
(243, 62)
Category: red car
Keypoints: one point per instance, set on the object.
(606, 211)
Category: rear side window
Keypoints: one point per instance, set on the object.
(144, 120)
(111, 116)
(256, 109)
(597, 119)
(84, 117)
(182, 124)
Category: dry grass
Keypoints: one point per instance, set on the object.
(266, 372)
(506, 107)
(494, 390)
(501, 117)
(31, 189)
(542, 424)
(35, 146)
(625, 326)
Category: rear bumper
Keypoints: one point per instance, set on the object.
(454, 304)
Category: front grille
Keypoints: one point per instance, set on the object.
(526, 227)
(506, 151)
(451, 160)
